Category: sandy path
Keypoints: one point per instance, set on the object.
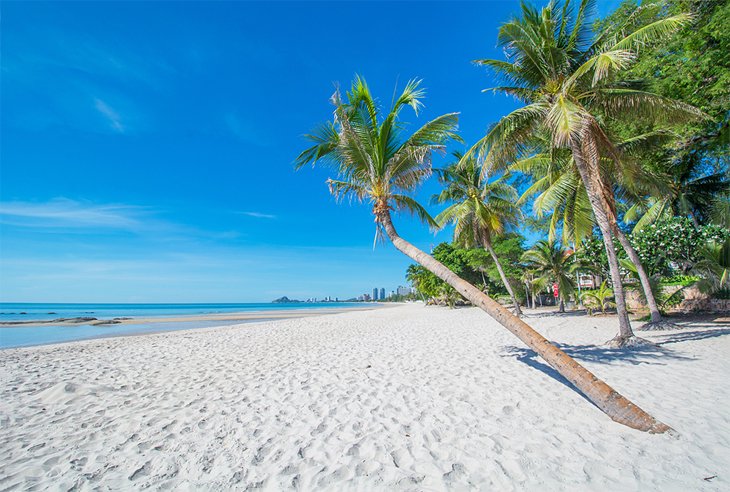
(409, 398)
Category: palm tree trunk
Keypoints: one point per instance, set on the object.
(529, 300)
(616, 406)
(590, 175)
(656, 316)
(488, 247)
(561, 309)
(695, 221)
(657, 321)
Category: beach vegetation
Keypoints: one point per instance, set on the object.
(552, 263)
(600, 298)
(566, 74)
(480, 209)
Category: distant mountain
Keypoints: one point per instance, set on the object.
(284, 299)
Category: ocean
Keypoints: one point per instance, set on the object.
(21, 336)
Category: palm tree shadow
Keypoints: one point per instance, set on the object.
(649, 354)
(555, 314)
(530, 358)
(686, 336)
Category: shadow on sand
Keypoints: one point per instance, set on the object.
(647, 354)
(686, 336)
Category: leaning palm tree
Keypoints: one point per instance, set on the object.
(480, 210)
(377, 163)
(565, 76)
(553, 263)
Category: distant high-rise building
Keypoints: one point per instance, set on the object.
(403, 291)
(382, 294)
(375, 294)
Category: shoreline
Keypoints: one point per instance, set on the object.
(235, 316)
(32, 335)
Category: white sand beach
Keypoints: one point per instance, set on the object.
(409, 398)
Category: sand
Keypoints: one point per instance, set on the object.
(409, 398)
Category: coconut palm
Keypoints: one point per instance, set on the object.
(557, 194)
(714, 268)
(377, 163)
(564, 74)
(533, 285)
(480, 210)
(562, 195)
(599, 296)
(687, 189)
(553, 263)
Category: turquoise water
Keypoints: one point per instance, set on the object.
(33, 311)
(22, 336)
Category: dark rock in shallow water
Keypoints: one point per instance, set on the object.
(106, 322)
(49, 322)
(52, 312)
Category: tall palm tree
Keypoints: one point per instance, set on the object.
(687, 189)
(563, 73)
(376, 163)
(480, 210)
(561, 194)
(553, 263)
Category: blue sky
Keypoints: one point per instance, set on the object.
(147, 148)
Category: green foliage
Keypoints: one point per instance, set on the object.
(552, 263)
(713, 268)
(592, 254)
(691, 167)
(426, 283)
(598, 297)
(455, 259)
(691, 66)
(473, 265)
(567, 75)
(479, 208)
(509, 248)
(373, 159)
(673, 246)
(683, 280)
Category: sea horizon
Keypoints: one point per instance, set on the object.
(120, 318)
(46, 311)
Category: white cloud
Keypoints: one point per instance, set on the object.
(69, 213)
(258, 215)
(110, 114)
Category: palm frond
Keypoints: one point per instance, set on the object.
(409, 204)
(655, 31)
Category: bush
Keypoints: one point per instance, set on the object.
(683, 280)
